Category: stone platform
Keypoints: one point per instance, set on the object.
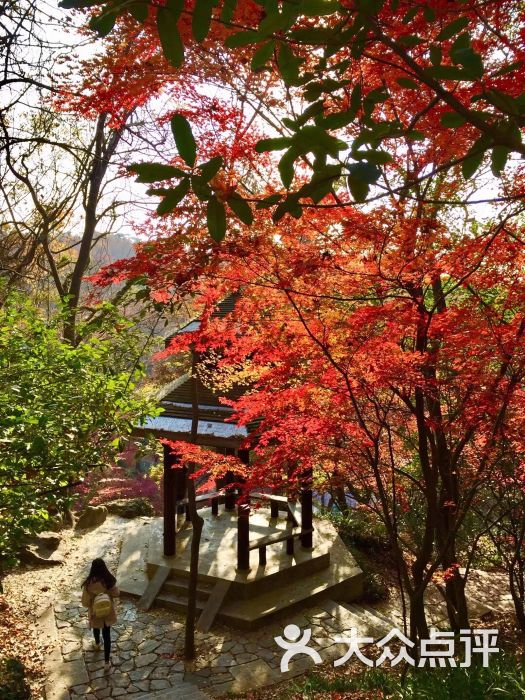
(286, 583)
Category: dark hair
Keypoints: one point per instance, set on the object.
(99, 572)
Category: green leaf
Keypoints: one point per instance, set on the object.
(319, 8)
(453, 28)
(268, 202)
(288, 64)
(155, 172)
(315, 139)
(241, 208)
(321, 183)
(317, 88)
(411, 14)
(435, 55)
(78, 4)
(216, 219)
(470, 60)
(375, 157)
(103, 23)
(274, 22)
(429, 14)
(366, 172)
(313, 110)
(452, 119)
(316, 36)
(499, 158)
(169, 36)
(228, 11)
(184, 140)
(414, 135)
(174, 196)
(338, 120)
(286, 167)
(276, 144)
(201, 188)
(358, 188)
(447, 73)
(474, 157)
(502, 101)
(211, 168)
(139, 11)
(201, 19)
(262, 56)
(408, 83)
(508, 69)
(242, 39)
(410, 40)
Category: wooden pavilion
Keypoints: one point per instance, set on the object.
(287, 546)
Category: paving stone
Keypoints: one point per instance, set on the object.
(145, 660)
(99, 683)
(80, 689)
(165, 649)
(140, 674)
(160, 672)
(142, 685)
(148, 646)
(226, 660)
(118, 692)
(127, 666)
(99, 672)
(159, 684)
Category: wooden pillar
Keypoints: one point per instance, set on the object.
(170, 510)
(181, 487)
(243, 537)
(230, 496)
(307, 510)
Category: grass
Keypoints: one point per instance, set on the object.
(504, 678)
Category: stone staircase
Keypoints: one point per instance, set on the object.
(366, 620)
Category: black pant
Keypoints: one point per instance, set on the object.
(106, 636)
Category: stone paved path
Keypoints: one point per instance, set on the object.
(147, 654)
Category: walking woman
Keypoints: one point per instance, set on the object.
(98, 593)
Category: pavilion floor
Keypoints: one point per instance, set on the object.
(286, 582)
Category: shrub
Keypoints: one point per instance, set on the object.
(13, 685)
(115, 483)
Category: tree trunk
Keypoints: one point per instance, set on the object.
(418, 619)
(196, 523)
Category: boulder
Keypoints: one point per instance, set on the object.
(40, 556)
(131, 507)
(92, 516)
(46, 540)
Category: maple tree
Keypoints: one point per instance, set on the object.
(383, 344)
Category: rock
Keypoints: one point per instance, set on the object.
(47, 540)
(92, 516)
(39, 556)
(131, 507)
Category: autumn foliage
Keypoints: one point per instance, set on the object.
(382, 343)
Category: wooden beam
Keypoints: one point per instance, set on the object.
(243, 537)
(153, 588)
(307, 511)
(213, 605)
(170, 510)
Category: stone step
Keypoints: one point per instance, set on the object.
(367, 623)
(179, 586)
(387, 620)
(177, 601)
(182, 691)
